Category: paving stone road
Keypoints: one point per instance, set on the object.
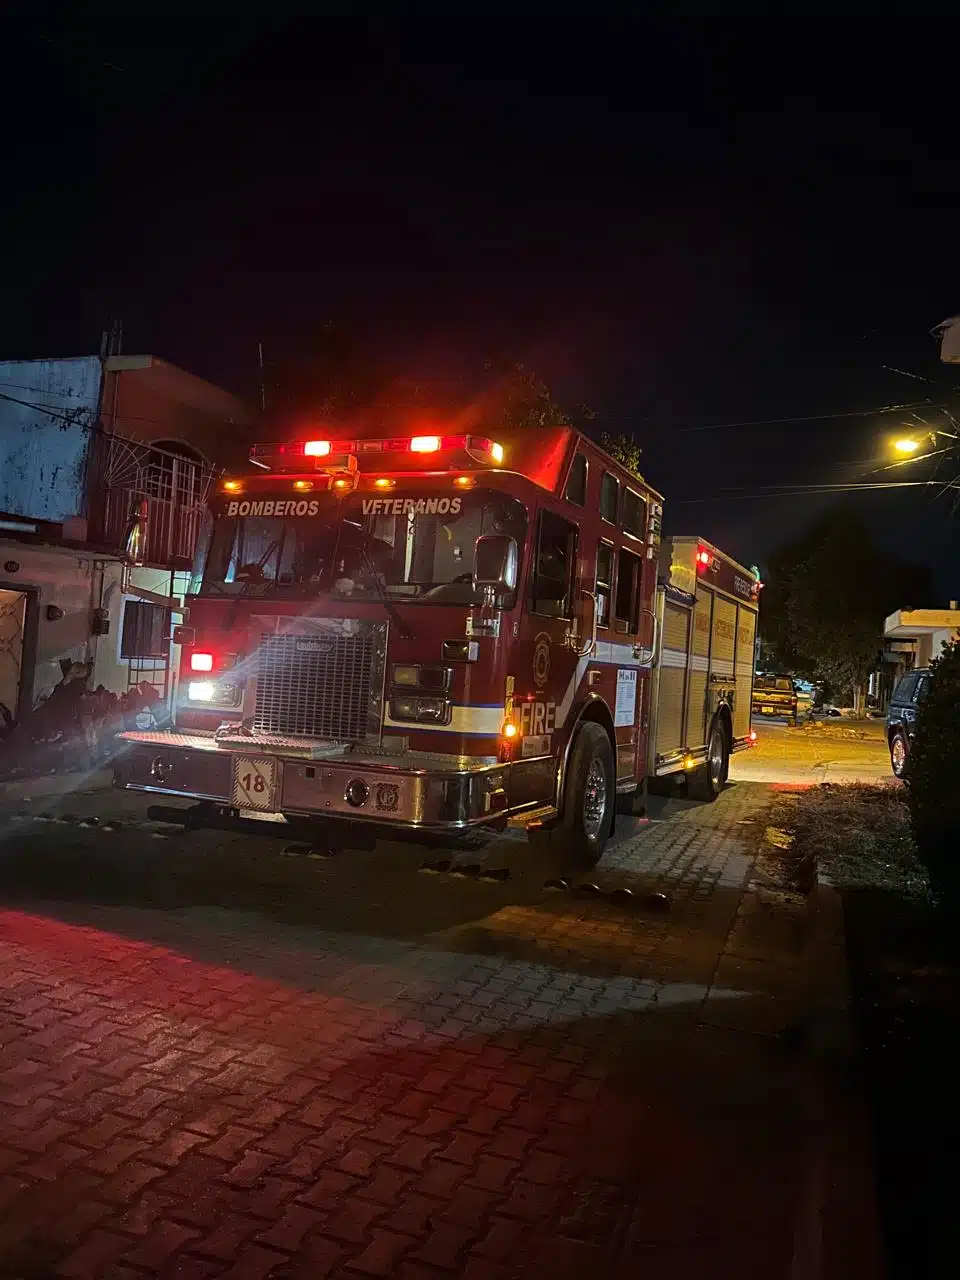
(215, 1061)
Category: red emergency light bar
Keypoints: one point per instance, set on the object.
(290, 453)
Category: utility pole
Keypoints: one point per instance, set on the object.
(263, 385)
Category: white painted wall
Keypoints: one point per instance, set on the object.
(930, 646)
(75, 582)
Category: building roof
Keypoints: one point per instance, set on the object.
(907, 623)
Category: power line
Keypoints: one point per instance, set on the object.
(812, 417)
(20, 386)
(813, 490)
(72, 421)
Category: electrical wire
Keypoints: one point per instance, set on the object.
(51, 413)
(812, 417)
(19, 386)
(812, 490)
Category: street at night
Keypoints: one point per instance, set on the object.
(479, 644)
(218, 1060)
(815, 752)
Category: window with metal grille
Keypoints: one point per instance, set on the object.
(146, 630)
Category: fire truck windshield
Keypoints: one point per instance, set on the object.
(414, 547)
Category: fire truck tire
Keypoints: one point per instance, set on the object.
(579, 835)
(707, 783)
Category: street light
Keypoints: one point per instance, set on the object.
(910, 445)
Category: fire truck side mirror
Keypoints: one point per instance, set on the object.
(495, 563)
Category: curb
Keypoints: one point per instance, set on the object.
(838, 1218)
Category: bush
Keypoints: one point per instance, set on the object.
(933, 778)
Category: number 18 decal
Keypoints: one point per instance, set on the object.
(253, 782)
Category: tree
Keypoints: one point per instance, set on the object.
(825, 599)
(624, 448)
(517, 398)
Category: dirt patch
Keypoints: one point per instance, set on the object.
(840, 730)
(858, 835)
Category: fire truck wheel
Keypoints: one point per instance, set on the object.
(584, 825)
(707, 782)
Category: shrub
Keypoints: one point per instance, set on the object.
(933, 778)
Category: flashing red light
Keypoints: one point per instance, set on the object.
(201, 662)
(703, 558)
(475, 445)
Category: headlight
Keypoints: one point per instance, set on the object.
(221, 693)
(422, 710)
(407, 676)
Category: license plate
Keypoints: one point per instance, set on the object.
(253, 782)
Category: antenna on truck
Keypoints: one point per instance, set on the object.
(263, 385)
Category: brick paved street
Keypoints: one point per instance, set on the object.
(217, 1061)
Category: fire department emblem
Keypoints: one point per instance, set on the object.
(541, 660)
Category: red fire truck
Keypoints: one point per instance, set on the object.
(439, 632)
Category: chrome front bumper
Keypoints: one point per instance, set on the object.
(416, 789)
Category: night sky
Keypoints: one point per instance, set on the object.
(679, 225)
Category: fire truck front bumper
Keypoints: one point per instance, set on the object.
(274, 780)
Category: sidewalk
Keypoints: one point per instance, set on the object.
(347, 1069)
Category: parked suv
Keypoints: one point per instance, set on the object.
(774, 696)
(902, 717)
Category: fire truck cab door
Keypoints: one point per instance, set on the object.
(552, 626)
(631, 651)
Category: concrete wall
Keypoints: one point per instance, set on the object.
(930, 646)
(43, 455)
(78, 583)
(74, 582)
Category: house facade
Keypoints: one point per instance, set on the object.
(914, 637)
(87, 445)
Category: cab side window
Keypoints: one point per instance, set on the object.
(609, 497)
(627, 602)
(604, 584)
(552, 583)
(576, 490)
(634, 513)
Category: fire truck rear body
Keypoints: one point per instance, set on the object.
(414, 632)
(707, 624)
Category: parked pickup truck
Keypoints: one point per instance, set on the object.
(775, 696)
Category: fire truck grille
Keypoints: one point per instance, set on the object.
(320, 686)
